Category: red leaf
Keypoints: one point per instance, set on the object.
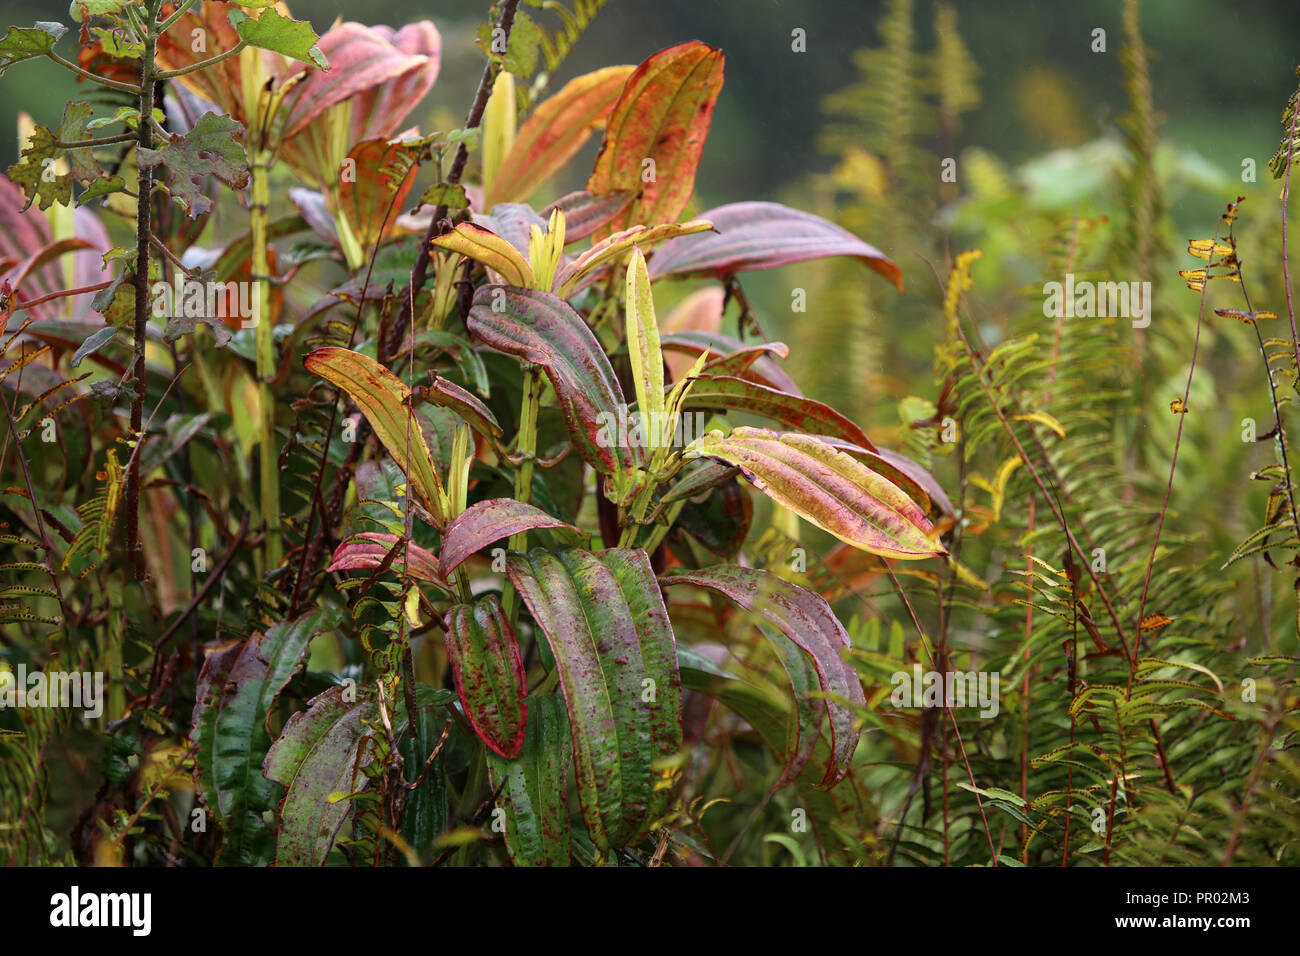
(366, 551)
(763, 235)
(484, 522)
(489, 673)
(663, 115)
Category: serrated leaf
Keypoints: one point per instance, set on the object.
(23, 43)
(212, 147)
(279, 34)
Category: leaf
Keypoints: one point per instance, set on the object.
(489, 673)
(384, 399)
(319, 754)
(606, 624)
(451, 195)
(752, 362)
(23, 43)
(580, 273)
(534, 787)
(448, 394)
(73, 129)
(212, 147)
(520, 55)
(365, 199)
(764, 235)
(543, 329)
(485, 522)
(279, 34)
(367, 551)
(663, 117)
(36, 175)
(426, 812)
(229, 727)
(807, 621)
(556, 131)
(826, 487)
(585, 213)
(1042, 418)
(723, 391)
(643, 344)
(485, 246)
(93, 344)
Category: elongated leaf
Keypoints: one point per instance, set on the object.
(643, 342)
(764, 235)
(807, 621)
(450, 395)
(366, 197)
(367, 550)
(229, 727)
(555, 131)
(485, 522)
(384, 399)
(605, 622)
(489, 673)
(826, 487)
(723, 391)
(426, 811)
(662, 117)
(534, 787)
(543, 329)
(733, 357)
(582, 271)
(585, 213)
(319, 754)
(485, 246)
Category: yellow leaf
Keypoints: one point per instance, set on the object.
(1043, 419)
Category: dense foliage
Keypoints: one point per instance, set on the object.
(485, 525)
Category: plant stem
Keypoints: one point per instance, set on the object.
(269, 500)
(526, 449)
(203, 65)
(103, 81)
(144, 190)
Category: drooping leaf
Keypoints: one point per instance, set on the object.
(448, 394)
(764, 235)
(280, 34)
(319, 754)
(827, 487)
(733, 357)
(555, 131)
(534, 787)
(485, 246)
(485, 522)
(384, 399)
(807, 621)
(585, 213)
(605, 622)
(724, 391)
(367, 551)
(229, 727)
(489, 673)
(582, 271)
(212, 147)
(659, 125)
(543, 329)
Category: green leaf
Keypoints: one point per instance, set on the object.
(93, 344)
(643, 347)
(606, 624)
(520, 54)
(104, 186)
(279, 34)
(535, 787)
(212, 147)
(489, 673)
(237, 690)
(827, 487)
(83, 10)
(319, 753)
(724, 391)
(72, 129)
(36, 174)
(24, 43)
(451, 195)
